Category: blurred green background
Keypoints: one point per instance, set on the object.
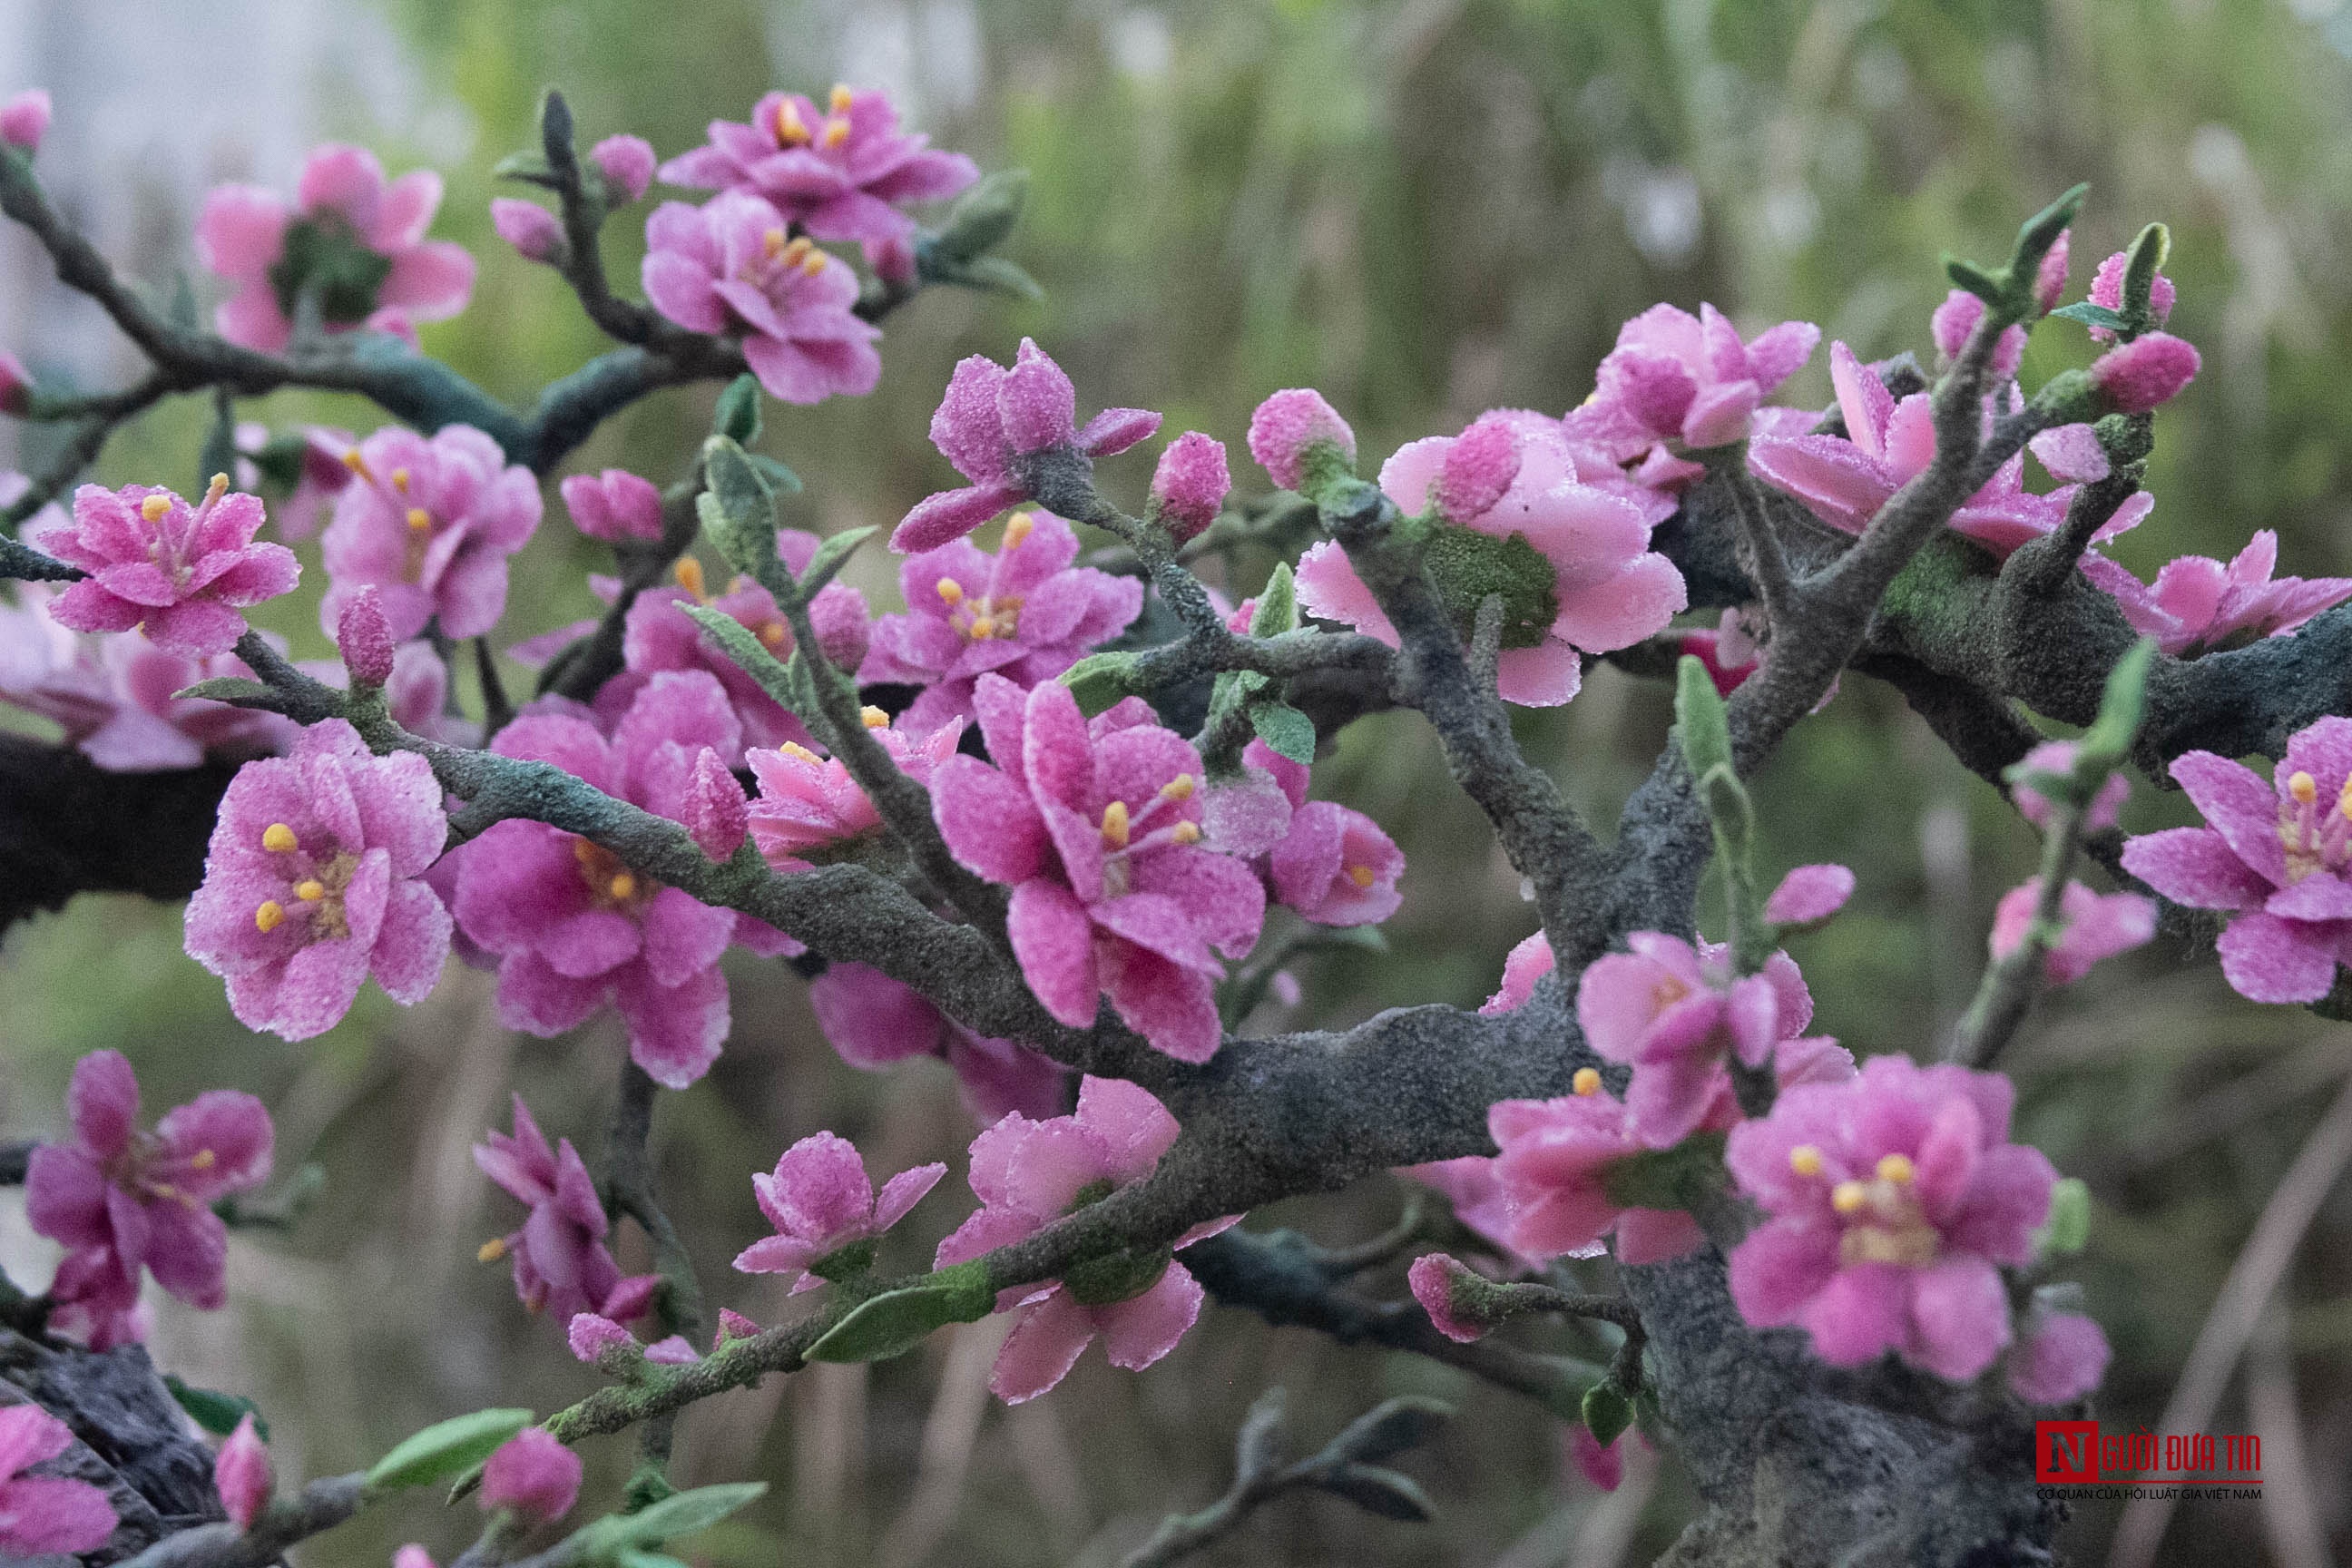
(1424, 209)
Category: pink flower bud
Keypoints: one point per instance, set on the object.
(533, 1474)
(1809, 894)
(25, 119)
(530, 228)
(1957, 317)
(718, 816)
(413, 1556)
(892, 258)
(734, 1325)
(1449, 1292)
(2050, 278)
(1037, 404)
(614, 505)
(2144, 373)
(363, 637)
(1190, 484)
(241, 1474)
(2059, 1358)
(671, 1352)
(591, 1335)
(627, 162)
(1602, 1464)
(2107, 293)
(16, 385)
(1287, 425)
(1479, 466)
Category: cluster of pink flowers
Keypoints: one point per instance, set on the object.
(181, 574)
(562, 1264)
(729, 265)
(121, 1199)
(1676, 380)
(1330, 863)
(429, 521)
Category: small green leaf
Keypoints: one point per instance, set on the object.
(736, 640)
(680, 1514)
(2122, 706)
(1388, 1429)
(529, 166)
(1378, 1491)
(2069, 1226)
(1699, 716)
(234, 689)
(1607, 1411)
(1285, 729)
(832, 556)
(2148, 250)
(214, 1411)
(737, 509)
(444, 1448)
(736, 417)
(2090, 315)
(898, 1321)
(1727, 806)
(989, 274)
(780, 479)
(1277, 610)
(1100, 680)
(1974, 278)
(982, 218)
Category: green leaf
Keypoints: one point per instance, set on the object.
(444, 1448)
(2090, 315)
(737, 641)
(1277, 610)
(832, 556)
(2122, 706)
(680, 1514)
(1607, 1411)
(989, 274)
(1100, 680)
(780, 479)
(736, 417)
(898, 1321)
(737, 509)
(231, 689)
(1388, 1429)
(982, 218)
(1667, 1178)
(530, 166)
(1974, 278)
(214, 1411)
(1699, 717)
(1728, 808)
(2069, 1226)
(2148, 250)
(1284, 728)
(1378, 1491)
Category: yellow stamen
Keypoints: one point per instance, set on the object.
(772, 243)
(983, 628)
(874, 717)
(309, 889)
(419, 521)
(1363, 876)
(1180, 787)
(1805, 1160)
(1586, 1083)
(400, 481)
(491, 1250)
(1185, 833)
(266, 918)
(1895, 1168)
(278, 839)
(1847, 1197)
(836, 132)
(839, 102)
(623, 886)
(1114, 824)
(1018, 527)
(215, 488)
(2303, 787)
(203, 1159)
(354, 462)
(793, 748)
(774, 632)
(814, 262)
(795, 253)
(688, 573)
(583, 850)
(791, 132)
(951, 591)
(2343, 798)
(153, 508)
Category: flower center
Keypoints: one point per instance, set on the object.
(778, 259)
(610, 882)
(995, 612)
(1128, 833)
(317, 886)
(2314, 842)
(1883, 1221)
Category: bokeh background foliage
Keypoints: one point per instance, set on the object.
(1425, 209)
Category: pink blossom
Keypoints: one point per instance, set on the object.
(1730, 654)
(1028, 1175)
(2072, 452)
(988, 416)
(614, 506)
(180, 573)
(430, 521)
(1096, 828)
(364, 639)
(536, 234)
(1677, 1014)
(575, 927)
(25, 119)
(413, 1556)
(353, 242)
(15, 386)
(113, 694)
(2098, 926)
(2050, 278)
(718, 815)
(1528, 962)
(2107, 293)
(1554, 1171)
(1026, 613)
(2277, 858)
(1893, 1200)
(2201, 607)
(1470, 1184)
(809, 806)
(1602, 1464)
(1955, 321)
(561, 1261)
(1585, 579)
(1287, 429)
(533, 1474)
(241, 1474)
(120, 1199)
(591, 1335)
(1336, 867)
(1446, 1288)
(1678, 380)
(727, 266)
(312, 882)
(45, 1514)
(2058, 757)
(826, 1213)
(2059, 1357)
(2145, 374)
(840, 173)
(627, 164)
(658, 635)
(874, 1021)
(1189, 487)
(1808, 895)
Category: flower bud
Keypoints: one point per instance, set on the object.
(1289, 426)
(363, 637)
(627, 163)
(1479, 466)
(734, 1325)
(1808, 895)
(1038, 405)
(1189, 486)
(15, 386)
(1459, 1301)
(530, 228)
(25, 119)
(2144, 373)
(2050, 278)
(1956, 318)
(593, 1337)
(718, 816)
(2107, 293)
(533, 1474)
(893, 259)
(241, 1474)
